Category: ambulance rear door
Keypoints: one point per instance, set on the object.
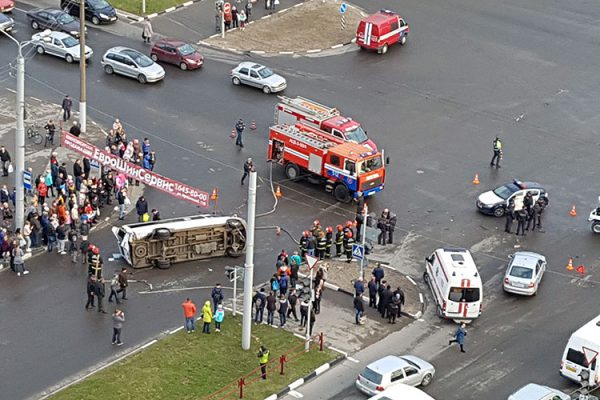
(123, 242)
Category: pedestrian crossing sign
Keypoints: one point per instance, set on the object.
(358, 251)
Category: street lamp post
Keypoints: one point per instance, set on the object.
(249, 267)
(20, 134)
(82, 66)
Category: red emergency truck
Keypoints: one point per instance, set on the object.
(380, 30)
(310, 113)
(348, 170)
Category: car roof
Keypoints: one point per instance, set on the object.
(59, 35)
(121, 49)
(249, 64)
(380, 17)
(526, 258)
(387, 364)
(54, 11)
(532, 391)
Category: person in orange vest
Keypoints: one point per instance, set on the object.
(189, 312)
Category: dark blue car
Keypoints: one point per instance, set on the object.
(97, 11)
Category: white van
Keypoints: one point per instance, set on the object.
(579, 360)
(455, 283)
(162, 243)
(402, 392)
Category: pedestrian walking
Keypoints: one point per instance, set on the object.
(383, 226)
(263, 360)
(147, 31)
(459, 337)
(123, 283)
(271, 307)
(118, 318)
(19, 263)
(73, 245)
(259, 301)
(189, 313)
(114, 287)
(248, 167)
(283, 310)
(61, 238)
(141, 208)
(372, 286)
(497, 148)
(122, 199)
(292, 301)
(100, 292)
(217, 296)
(66, 106)
(90, 290)
(304, 312)
(239, 128)
(207, 317)
(509, 216)
(359, 309)
(5, 159)
(219, 316)
(521, 217)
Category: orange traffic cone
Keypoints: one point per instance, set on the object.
(570, 264)
(278, 192)
(253, 125)
(214, 196)
(476, 180)
(573, 212)
(232, 134)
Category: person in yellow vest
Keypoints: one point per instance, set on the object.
(263, 359)
(497, 152)
(207, 317)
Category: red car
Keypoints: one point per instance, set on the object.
(6, 5)
(176, 52)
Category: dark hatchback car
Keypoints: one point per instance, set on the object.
(54, 19)
(97, 11)
(176, 52)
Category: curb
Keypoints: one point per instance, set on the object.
(137, 18)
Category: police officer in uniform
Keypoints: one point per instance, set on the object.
(348, 246)
(303, 244)
(359, 223)
(509, 215)
(321, 245)
(521, 217)
(339, 241)
(497, 145)
(528, 202)
(542, 205)
(382, 225)
(391, 227)
(328, 242)
(533, 216)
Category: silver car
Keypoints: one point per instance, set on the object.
(59, 44)
(132, 63)
(524, 273)
(534, 391)
(259, 76)
(6, 23)
(392, 370)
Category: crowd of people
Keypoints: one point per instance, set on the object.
(381, 297)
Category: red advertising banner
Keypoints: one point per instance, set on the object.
(147, 177)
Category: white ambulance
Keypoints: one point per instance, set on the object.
(579, 360)
(455, 283)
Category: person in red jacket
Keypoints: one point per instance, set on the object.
(189, 312)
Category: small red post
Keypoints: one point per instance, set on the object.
(241, 384)
(321, 341)
(282, 361)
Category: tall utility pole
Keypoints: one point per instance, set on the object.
(363, 233)
(249, 270)
(20, 144)
(82, 66)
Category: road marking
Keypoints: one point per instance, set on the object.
(180, 289)
(339, 351)
(150, 343)
(411, 280)
(295, 394)
(10, 90)
(354, 360)
(175, 330)
(421, 297)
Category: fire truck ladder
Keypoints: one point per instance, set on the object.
(310, 107)
(308, 137)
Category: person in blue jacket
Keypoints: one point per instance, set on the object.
(459, 337)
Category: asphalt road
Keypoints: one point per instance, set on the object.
(470, 68)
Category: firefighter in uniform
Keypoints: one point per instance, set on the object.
(303, 244)
(348, 228)
(348, 246)
(321, 245)
(339, 241)
(94, 262)
(328, 242)
(316, 229)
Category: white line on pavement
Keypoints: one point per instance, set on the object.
(150, 343)
(295, 394)
(296, 384)
(175, 330)
(421, 297)
(179, 289)
(411, 280)
(354, 360)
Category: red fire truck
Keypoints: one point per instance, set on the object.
(310, 113)
(380, 30)
(348, 170)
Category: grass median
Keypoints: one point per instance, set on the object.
(195, 366)
(152, 6)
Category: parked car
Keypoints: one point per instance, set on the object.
(402, 392)
(533, 391)
(54, 19)
(177, 52)
(59, 44)
(6, 23)
(391, 370)
(6, 5)
(524, 273)
(259, 76)
(97, 11)
(132, 63)
(494, 202)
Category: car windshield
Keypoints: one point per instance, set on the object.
(265, 73)
(65, 19)
(521, 272)
(140, 59)
(186, 50)
(371, 376)
(356, 134)
(70, 41)
(468, 295)
(505, 191)
(370, 164)
(99, 4)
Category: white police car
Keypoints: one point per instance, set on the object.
(494, 202)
